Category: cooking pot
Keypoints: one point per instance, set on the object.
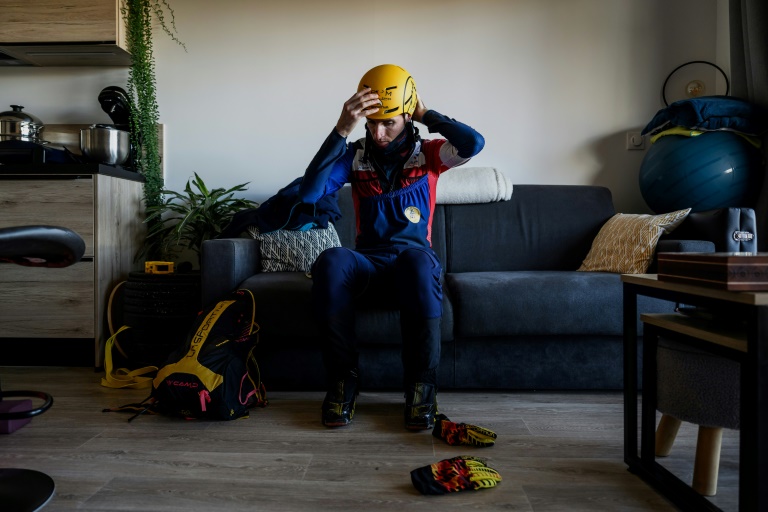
(18, 125)
(106, 144)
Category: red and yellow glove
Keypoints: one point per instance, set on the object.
(454, 475)
(462, 433)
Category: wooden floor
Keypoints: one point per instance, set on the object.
(555, 452)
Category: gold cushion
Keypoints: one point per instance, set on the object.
(627, 242)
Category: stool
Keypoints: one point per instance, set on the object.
(700, 388)
(26, 490)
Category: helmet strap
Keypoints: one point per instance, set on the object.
(414, 131)
(390, 160)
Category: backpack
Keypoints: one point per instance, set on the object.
(214, 375)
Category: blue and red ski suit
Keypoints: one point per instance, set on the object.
(393, 261)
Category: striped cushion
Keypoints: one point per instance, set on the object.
(626, 243)
(286, 251)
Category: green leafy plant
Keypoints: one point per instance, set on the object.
(184, 221)
(142, 92)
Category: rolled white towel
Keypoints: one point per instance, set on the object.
(473, 185)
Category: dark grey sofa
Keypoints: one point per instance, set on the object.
(516, 313)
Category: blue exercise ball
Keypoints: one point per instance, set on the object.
(713, 170)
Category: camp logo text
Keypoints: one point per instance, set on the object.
(182, 384)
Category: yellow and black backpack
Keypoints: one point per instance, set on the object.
(214, 375)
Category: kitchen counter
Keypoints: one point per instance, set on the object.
(18, 171)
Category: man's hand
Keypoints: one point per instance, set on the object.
(420, 109)
(362, 104)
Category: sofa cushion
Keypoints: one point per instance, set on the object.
(627, 242)
(346, 226)
(539, 302)
(542, 227)
(541, 362)
(283, 303)
(284, 311)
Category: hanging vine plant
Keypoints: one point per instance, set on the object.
(142, 90)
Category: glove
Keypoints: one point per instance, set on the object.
(454, 475)
(462, 433)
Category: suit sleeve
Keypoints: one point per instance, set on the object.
(329, 169)
(463, 141)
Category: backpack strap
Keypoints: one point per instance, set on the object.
(259, 393)
(140, 378)
(109, 307)
(148, 406)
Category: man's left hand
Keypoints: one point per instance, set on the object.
(420, 110)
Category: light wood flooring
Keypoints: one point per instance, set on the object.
(555, 452)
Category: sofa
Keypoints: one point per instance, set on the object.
(518, 314)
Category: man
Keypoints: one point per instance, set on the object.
(394, 177)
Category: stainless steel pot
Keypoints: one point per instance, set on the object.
(18, 125)
(105, 144)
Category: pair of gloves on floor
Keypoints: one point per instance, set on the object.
(458, 473)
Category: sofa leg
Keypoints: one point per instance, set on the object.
(666, 434)
(707, 465)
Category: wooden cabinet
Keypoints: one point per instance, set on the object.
(64, 32)
(70, 302)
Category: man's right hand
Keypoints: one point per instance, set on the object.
(360, 105)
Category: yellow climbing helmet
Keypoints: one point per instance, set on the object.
(395, 87)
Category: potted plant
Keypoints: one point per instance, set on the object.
(183, 221)
(160, 307)
(138, 15)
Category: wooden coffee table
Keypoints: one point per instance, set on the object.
(747, 344)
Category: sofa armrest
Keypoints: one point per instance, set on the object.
(225, 264)
(679, 246)
(718, 230)
(730, 229)
(685, 246)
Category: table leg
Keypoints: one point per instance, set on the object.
(753, 440)
(630, 375)
(648, 419)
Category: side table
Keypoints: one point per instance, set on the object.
(749, 347)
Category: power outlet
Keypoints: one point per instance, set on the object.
(635, 140)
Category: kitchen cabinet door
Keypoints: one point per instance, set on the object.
(63, 32)
(70, 302)
(67, 202)
(47, 302)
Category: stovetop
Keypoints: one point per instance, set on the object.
(32, 159)
(29, 152)
(37, 171)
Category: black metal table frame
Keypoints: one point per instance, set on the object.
(753, 435)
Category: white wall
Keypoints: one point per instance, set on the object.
(553, 85)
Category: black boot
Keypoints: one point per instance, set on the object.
(339, 404)
(420, 406)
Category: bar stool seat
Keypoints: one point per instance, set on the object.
(25, 490)
(699, 388)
